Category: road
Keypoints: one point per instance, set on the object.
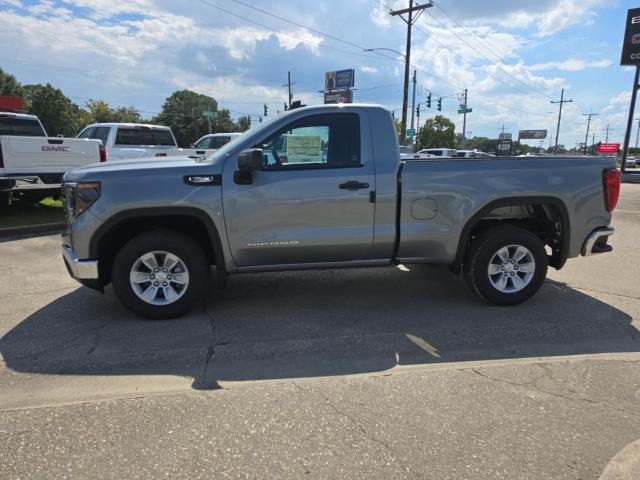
(372, 373)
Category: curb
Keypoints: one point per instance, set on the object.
(10, 233)
(631, 177)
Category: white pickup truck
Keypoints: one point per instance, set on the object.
(32, 163)
(144, 141)
(132, 140)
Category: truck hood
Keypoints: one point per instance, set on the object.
(142, 166)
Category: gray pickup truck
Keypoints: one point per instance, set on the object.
(324, 187)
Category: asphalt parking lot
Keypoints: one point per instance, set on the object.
(372, 373)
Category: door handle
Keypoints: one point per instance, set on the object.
(353, 185)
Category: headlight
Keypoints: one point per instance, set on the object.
(86, 195)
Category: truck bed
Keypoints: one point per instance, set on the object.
(439, 196)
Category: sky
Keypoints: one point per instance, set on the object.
(513, 56)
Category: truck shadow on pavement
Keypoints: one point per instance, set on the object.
(316, 323)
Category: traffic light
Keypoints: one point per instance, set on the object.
(285, 106)
(429, 100)
(440, 104)
(266, 110)
(418, 111)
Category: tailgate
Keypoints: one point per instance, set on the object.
(34, 155)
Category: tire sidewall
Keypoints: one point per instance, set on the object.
(183, 247)
(488, 245)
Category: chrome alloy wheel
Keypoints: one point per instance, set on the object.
(511, 268)
(159, 278)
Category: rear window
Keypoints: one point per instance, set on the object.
(21, 127)
(144, 136)
(217, 142)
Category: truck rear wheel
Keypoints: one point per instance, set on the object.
(506, 265)
(160, 274)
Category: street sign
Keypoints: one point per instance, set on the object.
(532, 134)
(609, 148)
(465, 110)
(411, 132)
(342, 96)
(631, 41)
(339, 80)
(210, 114)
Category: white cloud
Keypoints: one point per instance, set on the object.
(572, 65)
(368, 69)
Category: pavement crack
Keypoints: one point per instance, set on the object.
(203, 383)
(97, 336)
(535, 387)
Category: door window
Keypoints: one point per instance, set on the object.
(320, 141)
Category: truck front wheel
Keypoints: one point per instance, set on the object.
(506, 265)
(160, 274)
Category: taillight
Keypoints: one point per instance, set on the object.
(611, 182)
(103, 154)
(161, 154)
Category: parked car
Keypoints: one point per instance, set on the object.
(631, 162)
(32, 163)
(153, 229)
(440, 152)
(471, 154)
(214, 141)
(132, 140)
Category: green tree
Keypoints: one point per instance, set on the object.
(9, 85)
(244, 123)
(99, 111)
(437, 132)
(56, 111)
(484, 144)
(182, 111)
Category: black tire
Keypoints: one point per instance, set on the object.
(486, 246)
(161, 240)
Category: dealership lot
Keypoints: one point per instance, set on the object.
(363, 373)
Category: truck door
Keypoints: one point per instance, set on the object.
(311, 201)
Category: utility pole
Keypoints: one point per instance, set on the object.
(606, 140)
(407, 58)
(417, 126)
(502, 128)
(586, 137)
(413, 100)
(464, 121)
(289, 84)
(562, 101)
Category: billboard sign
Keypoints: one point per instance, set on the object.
(532, 134)
(631, 41)
(344, 96)
(504, 136)
(339, 80)
(609, 148)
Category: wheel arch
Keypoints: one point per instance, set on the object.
(559, 257)
(122, 226)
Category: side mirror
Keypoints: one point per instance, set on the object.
(193, 145)
(250, 160)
